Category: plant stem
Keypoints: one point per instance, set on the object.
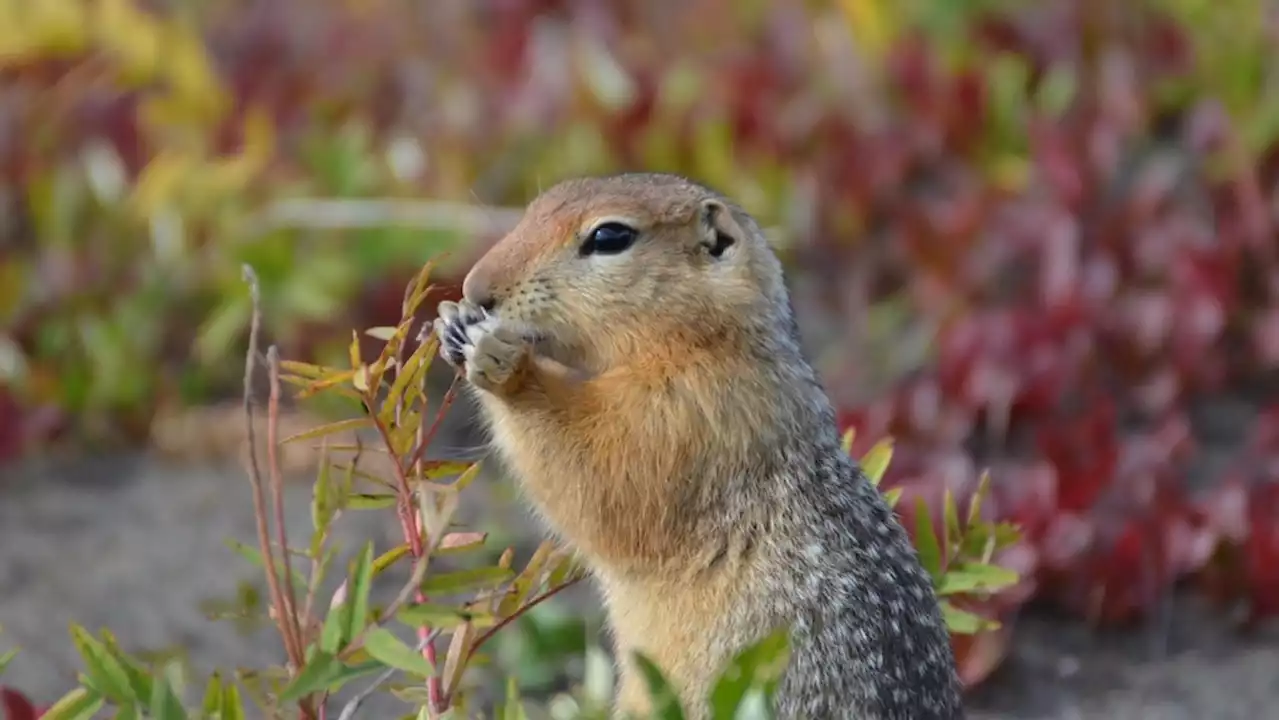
(255, 474)
(277, 495)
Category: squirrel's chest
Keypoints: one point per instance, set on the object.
(623, 490)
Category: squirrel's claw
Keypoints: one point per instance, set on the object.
(472, 341)
(493, 355)
(451, 325)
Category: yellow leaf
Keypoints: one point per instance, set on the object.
(331, 428)
(409, 371)
(455, 660)
(56, 27)
(846, 442)
(466, 477)
(131, 36)
(161, 183)
(892, 496)
(190, 72)
(975, 504)
(325, 382)
(420, 290)
(353, 351)
(871, 24)
(360, 378)
(306, 370)
(876, 461)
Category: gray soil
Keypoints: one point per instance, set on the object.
(137, 545)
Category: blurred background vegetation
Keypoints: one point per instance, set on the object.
(1038, 237)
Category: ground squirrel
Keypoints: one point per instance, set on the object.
(634, 351)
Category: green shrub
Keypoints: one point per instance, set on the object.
(350, 640)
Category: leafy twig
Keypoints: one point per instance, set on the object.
(349, 710)
(546, 595)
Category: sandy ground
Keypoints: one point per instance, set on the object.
(136, 544)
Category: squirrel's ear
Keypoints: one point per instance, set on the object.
(720, 230)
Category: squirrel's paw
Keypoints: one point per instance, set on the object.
(452, 321)
(493, 355)
(487, 351)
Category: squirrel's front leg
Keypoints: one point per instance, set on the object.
(494, 357)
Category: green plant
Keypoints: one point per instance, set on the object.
(353, 640)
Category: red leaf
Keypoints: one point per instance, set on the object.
(17, 706)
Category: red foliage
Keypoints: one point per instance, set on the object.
(17, 707)
(1101, 270)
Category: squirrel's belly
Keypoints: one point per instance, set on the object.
(689, 629)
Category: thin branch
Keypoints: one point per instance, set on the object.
(406, 592)
(435, 688)
(255, 472)
(511, 618)
(277, 494)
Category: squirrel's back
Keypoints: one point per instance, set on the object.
(634, 349)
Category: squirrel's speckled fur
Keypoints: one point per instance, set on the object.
(659, 413)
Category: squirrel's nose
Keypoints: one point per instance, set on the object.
(475, 290)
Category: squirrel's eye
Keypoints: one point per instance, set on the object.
(608, 239)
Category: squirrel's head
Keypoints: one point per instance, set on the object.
(622, 266)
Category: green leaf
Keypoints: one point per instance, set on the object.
(465, 580)
(315, 677)
(386, 647)
(164, 704)
(963, 622)
(370, 501)
(104, 672)
(232, 706)
(333, 635)
(565, 570)
(663, 699)
(127, 712)
(598, 678)
(926, 540)
(757, 667)
(351, 672)
(442, 617)
(139, 678)
(7, 658)
(79, 704)
(358, 594)
(212, 702)
(252, 555)
(513, 709)
(975, 577)
(388, 558)
(950, 522)
(323, 507)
